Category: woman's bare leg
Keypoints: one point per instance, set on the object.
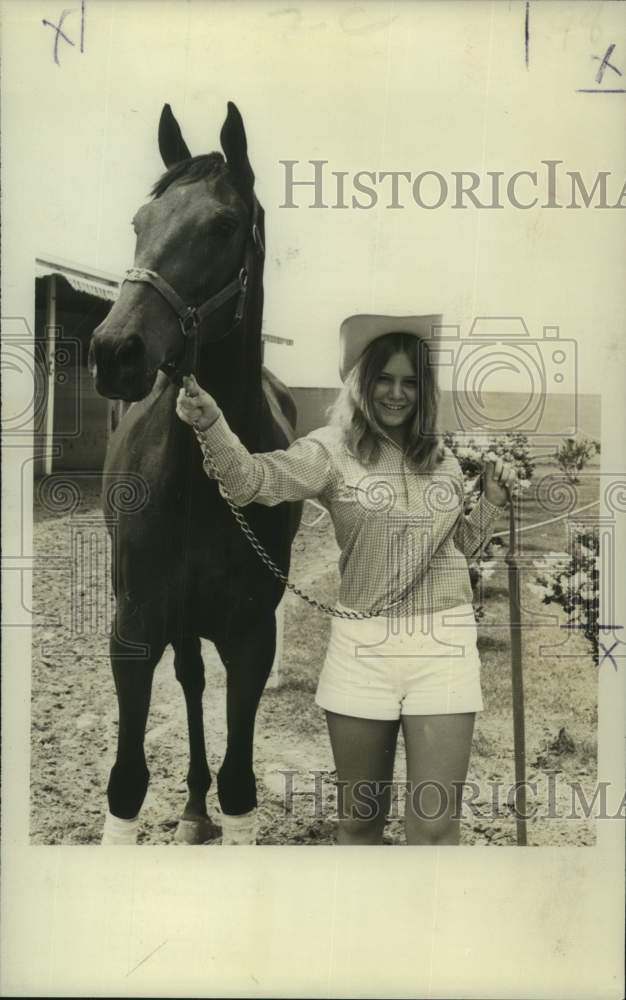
(364, 752)
(437, 757)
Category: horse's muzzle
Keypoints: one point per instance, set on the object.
(119, 366)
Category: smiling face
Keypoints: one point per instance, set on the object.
(394, 394)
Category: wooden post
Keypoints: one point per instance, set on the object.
(519, 735)
(50, 346)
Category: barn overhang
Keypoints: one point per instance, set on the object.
(102, 284)
(92, 281)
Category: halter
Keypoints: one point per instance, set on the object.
(190, 317)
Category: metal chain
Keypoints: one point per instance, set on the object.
(271, 565)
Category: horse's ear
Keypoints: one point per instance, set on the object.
(172, 146)
(235, 146)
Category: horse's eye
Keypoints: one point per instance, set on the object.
(224, 226)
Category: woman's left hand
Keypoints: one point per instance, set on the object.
(498, 477)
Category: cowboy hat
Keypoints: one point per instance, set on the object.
(357, 332)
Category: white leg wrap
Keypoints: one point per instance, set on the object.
(119, 832)
(239, 830)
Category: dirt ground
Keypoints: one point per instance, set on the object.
(74, 705)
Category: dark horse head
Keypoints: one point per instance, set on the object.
(196, 243)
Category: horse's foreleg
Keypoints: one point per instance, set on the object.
(248, 661)
(128, 781)
(195, 826)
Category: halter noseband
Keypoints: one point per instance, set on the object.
(190, 317)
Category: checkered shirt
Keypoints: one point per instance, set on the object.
(403, 537)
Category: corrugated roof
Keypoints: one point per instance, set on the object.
(101, 284)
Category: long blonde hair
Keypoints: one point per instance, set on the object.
(353, 412)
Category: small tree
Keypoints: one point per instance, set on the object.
(572, 580)
(573, 455)
(471, 452)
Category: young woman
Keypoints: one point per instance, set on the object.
(395, 494)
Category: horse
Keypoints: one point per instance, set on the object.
(181, 568)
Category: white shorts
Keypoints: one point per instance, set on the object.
(383, 668)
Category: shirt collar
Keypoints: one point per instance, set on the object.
(390, 441)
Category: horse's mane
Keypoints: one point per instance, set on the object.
(196, 168)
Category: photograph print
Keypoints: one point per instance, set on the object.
(312, 351)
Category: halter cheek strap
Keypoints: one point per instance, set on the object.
(190, 316)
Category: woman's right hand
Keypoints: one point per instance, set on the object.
(195, 406)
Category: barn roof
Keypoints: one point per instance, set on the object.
(93, 281)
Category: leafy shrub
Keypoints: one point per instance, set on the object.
(573, 455)
(572, 580)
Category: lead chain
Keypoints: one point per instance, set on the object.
(271, 565)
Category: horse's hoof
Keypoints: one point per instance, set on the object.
(195, 831)
(239, 831)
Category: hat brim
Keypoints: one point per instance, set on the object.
(357, 332)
